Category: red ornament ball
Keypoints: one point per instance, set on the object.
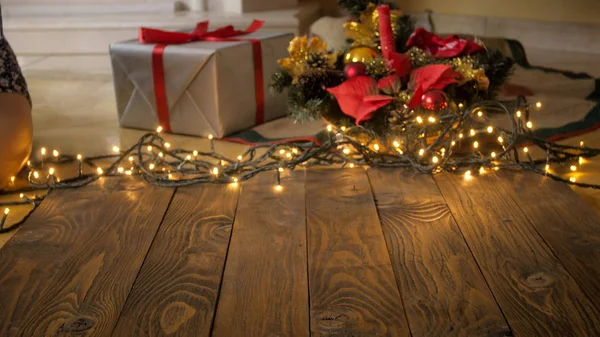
(354, 69)
(434, 100)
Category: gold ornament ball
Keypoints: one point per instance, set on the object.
(360, 54)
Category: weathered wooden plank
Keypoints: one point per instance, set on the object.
(177, 289)
(443, 290)
(70, 267)
(569, 226)
(265, 286)
(352, 287)
(537, 295)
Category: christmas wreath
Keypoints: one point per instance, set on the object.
(402, 88)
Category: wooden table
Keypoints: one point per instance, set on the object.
(335, 253)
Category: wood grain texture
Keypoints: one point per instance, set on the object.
(265, 285)
(177, 289)
(70, 267)
(443, 289)
(569, 226)
(537, 295)
(352, 287)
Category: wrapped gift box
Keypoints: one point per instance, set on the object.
(198, 88)
(245, 6)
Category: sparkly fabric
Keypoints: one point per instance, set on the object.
(11, 78)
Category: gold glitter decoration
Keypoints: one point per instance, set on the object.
(300, 49)
(465, 66)
(365, 32)
(378, 68)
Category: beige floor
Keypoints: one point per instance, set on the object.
(74, 109)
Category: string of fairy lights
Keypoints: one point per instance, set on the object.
(463, 142)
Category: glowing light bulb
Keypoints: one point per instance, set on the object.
(526, 149)
(159, 129)
(518, 113)
(195, 153)
(343, 128)
(475, 144)
(480, 113)
(188, 157)
(529, 125)
(421, 152)
(116, 149)
(100, 170)
(376, 147)
(419, 120)
(453, 143)
(51, 171)
(235, 180)
(130, 159)
(210, 136)
(573, 168)
(21, 195)
(239, 157)
(351, 165)
(396, 144)
(547, 168)
(460, 135)
(288, 155)
(151, 167)
(490, 129)
(295, 151)
(280, 169)
(472, 132)
(572, 179)
(460, 105)
(170, 176)
(120, 169)
(346, 151)
(481, 170)
(500, 140)
(79, 157)
(167, 145)
(12, 179)
(434, 159)
(282, 151)
(36, 174)
(160, 154)
(329, 128)
(149, 148)
(493, 154)
(215, 171)
(278, 187)
(431, 119)
(6, 210)
(538, 105)
(468, 174)
(128, 172)
(580, 161)
(43, 151)
(581, 143)
(55, 153)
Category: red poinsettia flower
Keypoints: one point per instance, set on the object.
(435, 76)
(401, 64)
(450, 47)
(390, 85)
(358, 97)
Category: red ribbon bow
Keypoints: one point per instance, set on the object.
(201, 33)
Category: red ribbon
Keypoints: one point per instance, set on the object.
(164, 38)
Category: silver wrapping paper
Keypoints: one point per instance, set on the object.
(209, 85)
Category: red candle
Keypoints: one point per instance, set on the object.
(386, 36)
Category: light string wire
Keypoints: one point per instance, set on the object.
(157, 163)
